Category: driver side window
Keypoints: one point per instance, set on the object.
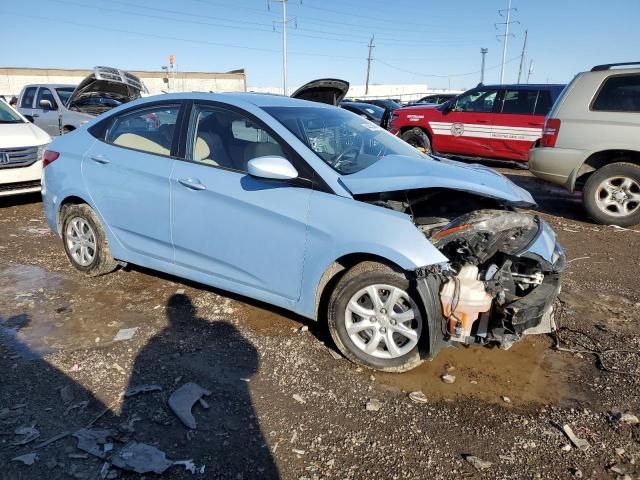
(227, 139)
(480, 101)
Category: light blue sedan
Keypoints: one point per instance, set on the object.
(311, 208)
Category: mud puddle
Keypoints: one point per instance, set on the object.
(530, 372)
(42, 312)
(267, 322)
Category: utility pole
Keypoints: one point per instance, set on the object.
(483, 52)
(371, 47)
(524, 51)
(506, 36)
(530, 70)
(284, 23)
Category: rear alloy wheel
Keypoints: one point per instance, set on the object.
(612, 194)
(85, 242)
(417, 139)
(374, 320)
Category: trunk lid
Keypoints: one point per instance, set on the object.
(325, 90)
(104, 89)
(397, 173)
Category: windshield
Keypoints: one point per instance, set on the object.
(64, 93)
(8, 114)
(346, 142)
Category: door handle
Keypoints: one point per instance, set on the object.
(101, 159)
(192, 183)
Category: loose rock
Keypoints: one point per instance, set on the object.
(448, 378)
(418, 397)
(478, 463)
(373, 405)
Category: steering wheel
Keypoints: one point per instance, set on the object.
(343, 157)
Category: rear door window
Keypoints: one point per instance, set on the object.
(543, 103)
(27, 97)
(519, 102)
(150, 129)
(619, 93)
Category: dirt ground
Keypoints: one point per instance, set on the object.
(281, 404)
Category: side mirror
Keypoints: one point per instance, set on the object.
(46, 104)
(272, 167)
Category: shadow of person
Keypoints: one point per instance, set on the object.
(214, 355)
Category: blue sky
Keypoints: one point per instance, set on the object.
(429, 42)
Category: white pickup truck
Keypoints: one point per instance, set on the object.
(59, 109)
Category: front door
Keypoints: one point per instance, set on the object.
(518, 123)
(466, 128)
(241, 230)
(47, 119)
(127, 175)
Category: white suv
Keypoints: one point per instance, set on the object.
(591, 142)
(22, 147)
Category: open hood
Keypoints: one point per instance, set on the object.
(324, 90)
(397, 173)
(105, 89)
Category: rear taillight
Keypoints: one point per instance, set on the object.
(550, 132)
(49, 157)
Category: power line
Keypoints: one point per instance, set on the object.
(179, 39)
(440, 75)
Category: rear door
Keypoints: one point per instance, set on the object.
(518, 122)
(466, 128)
(127, 175)
(47, 119)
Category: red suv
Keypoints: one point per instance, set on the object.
(499, 121)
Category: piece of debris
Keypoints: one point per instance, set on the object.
(298, 451)
(66, 394)
(55, 438)
(505, 399)
(448, 378)
(627, 419)
(119, 368)
(620, 451)
(141, 458)
(182, 401)
(80, 405)
(304, 328)
(75, 368)
(334, 354)
(93, 441)
(27, 458)
(78, 456)
(298, 398)
(125, 334)
(618, 468)
(418, 397)
(477, 462)
(180, 291)
(188, 465)
(132, 391)
(449, 368)
(29, 434)
(566, 447)
(373, 405)
(104, 471)
(576, 472)
(579, 443)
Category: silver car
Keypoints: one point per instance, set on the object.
(59, 109)
(591, 142)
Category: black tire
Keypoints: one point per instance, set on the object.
(592, 193)
(417, 139)
(359, 277)
(102, 262)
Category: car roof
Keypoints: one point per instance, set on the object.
(257, 99)
(51, 85)
(524, 86)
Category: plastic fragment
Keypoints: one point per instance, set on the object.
(182, 401)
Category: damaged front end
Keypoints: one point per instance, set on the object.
(503, 277)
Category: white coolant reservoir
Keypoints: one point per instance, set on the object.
(464, 298)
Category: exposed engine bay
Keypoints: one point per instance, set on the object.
(504, 271)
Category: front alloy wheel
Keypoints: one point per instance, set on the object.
(374, 319)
